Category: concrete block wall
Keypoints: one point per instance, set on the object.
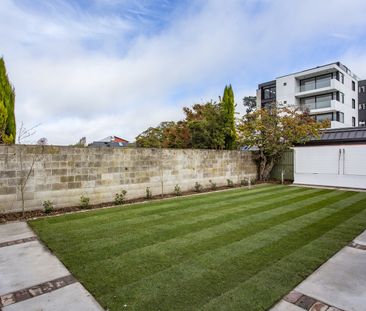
(63, 174)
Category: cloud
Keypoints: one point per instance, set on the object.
(115, 67)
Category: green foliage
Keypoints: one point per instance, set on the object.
(230, 183)
(250, 103)
(228, 112)
(177, 190)
(205, 123)
(148, 193)
(198, 187)
(274, 130)
(213, 185)
(47, 206)
(247, 181)
(7, 99)
(84, 202)
(210, 125)
(119, 197)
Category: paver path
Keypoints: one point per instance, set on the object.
(31, 278)
(339, 284)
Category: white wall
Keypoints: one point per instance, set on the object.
(338, 165)
(285, 94)
(287, 87)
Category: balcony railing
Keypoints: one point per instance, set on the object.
(318, 105)
(315, 85)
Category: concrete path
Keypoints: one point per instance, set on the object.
(33, 279)
(339, 284)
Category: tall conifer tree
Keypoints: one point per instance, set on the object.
(228, 110)
(7, 99)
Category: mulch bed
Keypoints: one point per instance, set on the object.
(63, 210)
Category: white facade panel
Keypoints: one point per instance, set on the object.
(336, 166)
(288, 92)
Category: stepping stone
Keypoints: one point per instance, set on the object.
(73, 297)
(340, 282)
(14, 231)
(27, 264)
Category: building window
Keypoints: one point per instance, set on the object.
(353, 121)
(324, 117)
(340, 117)
(361, 123)
(269, 92)
(362, 89)
(315, 83)
(353, 103)
(284, 83)
(340, 97)
(353, 86)
(317, 102)
(340, 77)
(361, 106)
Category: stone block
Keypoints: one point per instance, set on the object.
(73, 185)
(59, 186)
(67, 178)
(60, 171)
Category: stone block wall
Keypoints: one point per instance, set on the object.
(63, 174)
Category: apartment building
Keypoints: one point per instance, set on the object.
(362, 103)
(329, 92)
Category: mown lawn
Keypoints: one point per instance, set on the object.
(234, 250)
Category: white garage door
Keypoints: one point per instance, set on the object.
(339, 166)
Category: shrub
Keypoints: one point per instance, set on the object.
(245, 182)
(84, 202)
(198, 187)
(230, 183)
(148, 193)
(48, 206)
(212, 185)
(119, 198)
(177, 191)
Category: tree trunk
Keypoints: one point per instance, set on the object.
(265, 168)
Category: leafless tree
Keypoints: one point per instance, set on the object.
(26, 171)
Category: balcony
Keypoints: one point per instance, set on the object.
(318, 87)
(323, 106)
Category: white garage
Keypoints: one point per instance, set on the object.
(337, 159)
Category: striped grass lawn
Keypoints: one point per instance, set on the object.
(233, 250)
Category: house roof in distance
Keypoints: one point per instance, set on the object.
(348, 135)
(113, 138)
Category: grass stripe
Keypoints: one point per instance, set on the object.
(213, 251)
(220, 272)
(140, 261)
(132, 213)
(173, 232)
(288, 251)
(121, 227)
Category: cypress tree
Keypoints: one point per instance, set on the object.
(228, 110)
(7, 99)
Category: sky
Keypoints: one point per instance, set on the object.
(96, 68)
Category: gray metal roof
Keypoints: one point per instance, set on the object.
(340, 136)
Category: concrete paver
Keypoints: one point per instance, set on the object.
(71, 297)
(340, 282)
(286, 306)
(361, 239)
(14, 231)
(27, 264)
